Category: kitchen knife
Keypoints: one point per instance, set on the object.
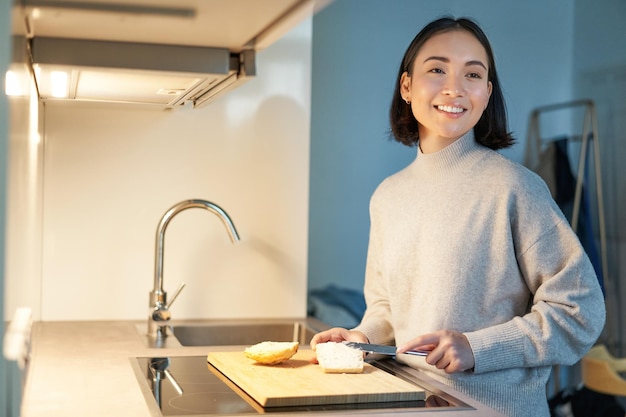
(382, 349)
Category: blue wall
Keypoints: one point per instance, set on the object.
(357, 45)
(600, 74)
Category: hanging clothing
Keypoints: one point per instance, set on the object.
(555, 168)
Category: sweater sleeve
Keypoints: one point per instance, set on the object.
(566, 315)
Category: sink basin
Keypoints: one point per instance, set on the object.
(249, 333)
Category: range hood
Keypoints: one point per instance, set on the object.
(163, 75)
(162, 53)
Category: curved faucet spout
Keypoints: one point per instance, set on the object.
(165, 220)
(158, 302)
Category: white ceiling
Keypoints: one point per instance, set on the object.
(223, 23)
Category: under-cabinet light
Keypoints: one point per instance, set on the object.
(58, 84)
(17, 81)
(11, 84)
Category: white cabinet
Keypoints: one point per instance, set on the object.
(232, 24)
(152, 52)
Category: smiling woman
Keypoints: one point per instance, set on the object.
(462, 85)
(447, 94)
(470, 259)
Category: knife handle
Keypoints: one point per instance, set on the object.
(417, 352)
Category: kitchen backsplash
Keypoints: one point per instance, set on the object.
(104, 175)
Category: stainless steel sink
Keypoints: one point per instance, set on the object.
(243, 333)
(235, 332)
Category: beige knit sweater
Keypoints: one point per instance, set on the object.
(466, 240)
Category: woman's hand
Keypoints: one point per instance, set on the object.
(449, 350)
(338, 334)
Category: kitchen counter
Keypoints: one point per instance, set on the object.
(84, 368)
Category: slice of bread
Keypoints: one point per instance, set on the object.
(337, 358)
(271, 353)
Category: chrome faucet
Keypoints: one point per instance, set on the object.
(159, 308)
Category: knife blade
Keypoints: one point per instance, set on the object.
(382, 349)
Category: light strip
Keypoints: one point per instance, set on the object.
(12, 84)
(58, 84)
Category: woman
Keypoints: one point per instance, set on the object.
(469, 256)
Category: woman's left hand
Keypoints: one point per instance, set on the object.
(449, 351)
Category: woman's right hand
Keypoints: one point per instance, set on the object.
(338, 334)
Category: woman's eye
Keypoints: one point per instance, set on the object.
(475, 75)
(436, 71)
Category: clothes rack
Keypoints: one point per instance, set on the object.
(535, 144)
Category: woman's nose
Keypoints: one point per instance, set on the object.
(454, 87)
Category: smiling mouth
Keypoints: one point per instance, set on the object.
(450, 109)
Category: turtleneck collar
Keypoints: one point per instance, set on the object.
(462, 152)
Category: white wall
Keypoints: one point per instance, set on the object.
(111, 172)
(24, 208)
(18, 179)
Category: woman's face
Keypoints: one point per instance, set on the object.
(448, 89)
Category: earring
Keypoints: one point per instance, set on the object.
(408, 101)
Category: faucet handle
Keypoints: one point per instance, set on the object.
(180, 288)
(160, 314)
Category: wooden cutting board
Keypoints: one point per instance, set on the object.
(299, 382)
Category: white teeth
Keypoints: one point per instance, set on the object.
(450, 109)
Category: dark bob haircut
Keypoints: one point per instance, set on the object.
(492, 128)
